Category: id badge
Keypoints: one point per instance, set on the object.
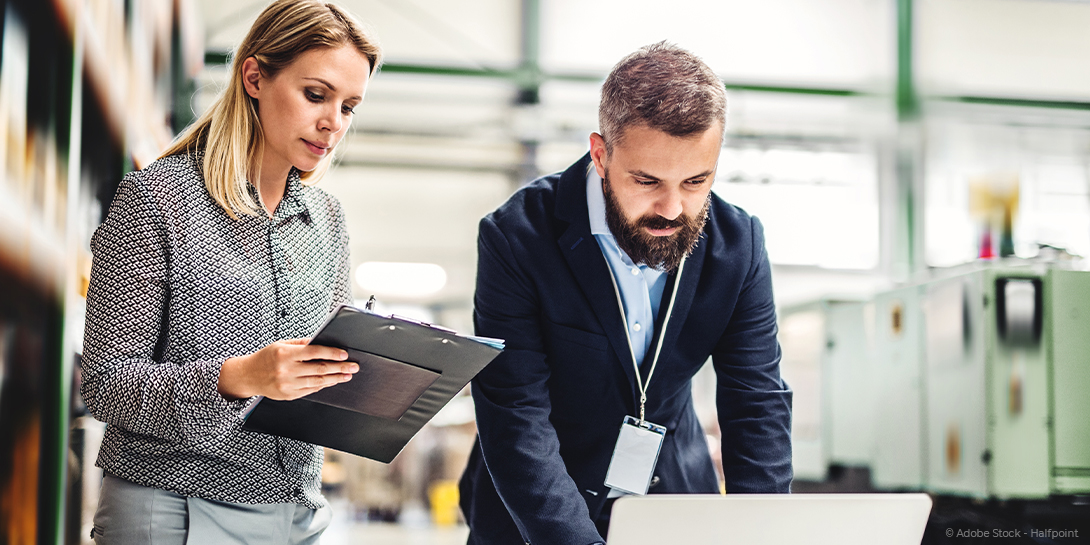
(635, 456)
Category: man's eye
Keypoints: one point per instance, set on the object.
(646, 182)
(697, 182)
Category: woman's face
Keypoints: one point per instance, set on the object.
(306, 108)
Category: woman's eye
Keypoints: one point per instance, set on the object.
(347, 110)
(313, 97)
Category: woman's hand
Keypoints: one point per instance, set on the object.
(285, 370)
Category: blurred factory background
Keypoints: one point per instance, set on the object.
(922, 169)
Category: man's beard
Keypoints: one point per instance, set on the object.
(662, 253)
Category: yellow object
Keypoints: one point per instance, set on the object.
(993, 202)
(443, 495)
(994, 195)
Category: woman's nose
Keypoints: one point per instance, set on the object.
(331, 120)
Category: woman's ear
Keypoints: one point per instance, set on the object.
(251, 77)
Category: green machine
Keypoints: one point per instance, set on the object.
(802, 339)
(1067, 322)
(898, 379)
(1007, 382)
(856, 369)
(826, 346)
(975, 383)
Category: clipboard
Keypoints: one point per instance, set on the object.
(409, 370)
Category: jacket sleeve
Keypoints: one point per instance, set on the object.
(754, 404)
(519, 444)
(125, 383)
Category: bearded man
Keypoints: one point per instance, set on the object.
(613, 283)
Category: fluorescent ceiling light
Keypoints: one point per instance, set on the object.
(401, 279)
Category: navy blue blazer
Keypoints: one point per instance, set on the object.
(549, 408)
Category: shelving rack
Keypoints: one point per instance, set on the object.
(88, 90)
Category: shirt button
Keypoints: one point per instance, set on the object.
(635, 271)
(636, 327)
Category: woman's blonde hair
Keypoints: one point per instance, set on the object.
(230, 133)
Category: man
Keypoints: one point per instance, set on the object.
(633, 225)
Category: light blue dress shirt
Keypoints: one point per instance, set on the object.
(641, 286)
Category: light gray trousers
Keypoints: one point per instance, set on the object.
(131, 514)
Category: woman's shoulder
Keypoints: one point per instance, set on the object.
(172, 167)
(170, 177)
(163, 184)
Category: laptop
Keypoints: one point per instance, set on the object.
(770, 519)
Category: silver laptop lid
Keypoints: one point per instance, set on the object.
(770, 519)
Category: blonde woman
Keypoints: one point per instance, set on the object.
(213, 265)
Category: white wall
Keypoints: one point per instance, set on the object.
(836, 43)
(1013, 48)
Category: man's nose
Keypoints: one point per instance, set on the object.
(669, 204)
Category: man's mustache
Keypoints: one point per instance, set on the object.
(659, 222)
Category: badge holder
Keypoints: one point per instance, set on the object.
(639, 443)
(635, 456)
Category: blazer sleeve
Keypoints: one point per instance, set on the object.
(519, 444)
(124, 382)
(754, 404)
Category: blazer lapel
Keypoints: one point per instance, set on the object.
(587, 263)
(686, 293)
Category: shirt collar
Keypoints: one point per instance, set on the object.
(596, 203)
(293, 202)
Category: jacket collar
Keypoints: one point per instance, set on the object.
(591, 271)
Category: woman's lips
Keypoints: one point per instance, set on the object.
(315, 148)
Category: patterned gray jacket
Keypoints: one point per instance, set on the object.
(177, 287)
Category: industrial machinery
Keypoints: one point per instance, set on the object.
(1007, 375)
(975, 383)
(827, 361)
(898, 382)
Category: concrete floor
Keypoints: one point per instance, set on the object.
(416, 529)
(384, 533)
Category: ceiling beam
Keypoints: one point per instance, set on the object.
(520, 76)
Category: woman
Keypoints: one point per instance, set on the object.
(212, 265)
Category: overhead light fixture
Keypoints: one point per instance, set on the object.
(401, 279)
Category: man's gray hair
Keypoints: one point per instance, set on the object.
(663, 87)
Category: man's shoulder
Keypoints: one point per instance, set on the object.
(547, 203)
(529, 210)
(734, 237)
(726, 219)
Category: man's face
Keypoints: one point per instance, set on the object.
(657, 191)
